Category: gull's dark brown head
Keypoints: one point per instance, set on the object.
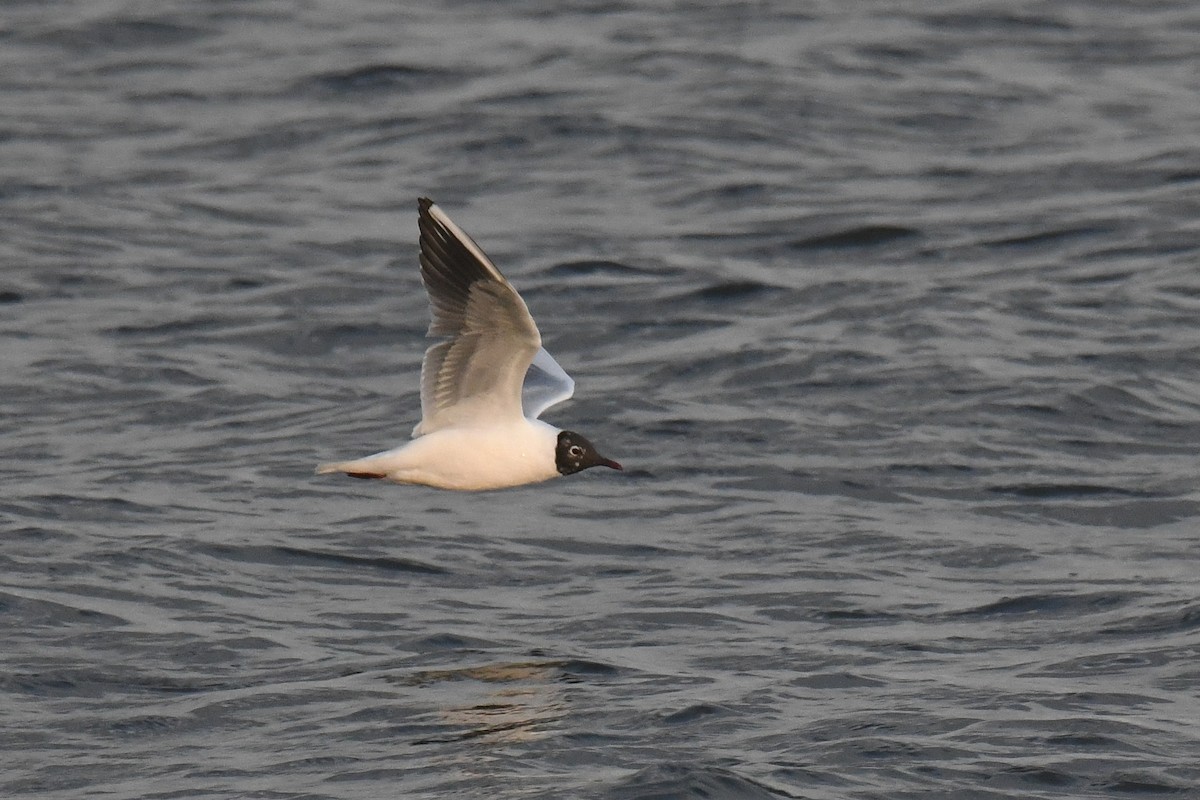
(575, 453)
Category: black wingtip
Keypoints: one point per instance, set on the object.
(423, 203)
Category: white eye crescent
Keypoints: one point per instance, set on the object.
(575, 451)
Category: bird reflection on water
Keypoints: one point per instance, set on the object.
(501, 703)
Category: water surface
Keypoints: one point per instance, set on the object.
(891, 315)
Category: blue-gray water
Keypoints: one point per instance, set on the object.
(891, 314)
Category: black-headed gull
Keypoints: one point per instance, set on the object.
(484, 387)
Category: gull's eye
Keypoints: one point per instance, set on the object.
(575, 451)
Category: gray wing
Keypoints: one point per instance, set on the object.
(546, 384)
(476, 375)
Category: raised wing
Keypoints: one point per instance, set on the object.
(476, 376)
(546, 384)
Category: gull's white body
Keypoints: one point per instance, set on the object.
(484, 386)
(467, 459)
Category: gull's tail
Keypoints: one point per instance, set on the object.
(355, 469)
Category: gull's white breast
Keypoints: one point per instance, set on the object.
(466, 458)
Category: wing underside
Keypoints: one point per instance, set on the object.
(546, 384)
